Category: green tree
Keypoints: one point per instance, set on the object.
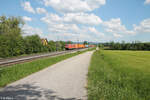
(69, 42)
(101, 46)
(85, 43)
(58, 46)
(11, 41)
(62, 45)
(33, 44)
(52, 46)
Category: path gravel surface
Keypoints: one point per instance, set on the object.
(65, 80)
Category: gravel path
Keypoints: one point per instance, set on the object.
(65, 80)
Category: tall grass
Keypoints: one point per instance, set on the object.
(119, 75)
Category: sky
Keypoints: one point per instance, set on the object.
(82, 20)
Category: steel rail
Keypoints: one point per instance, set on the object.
(4, 63)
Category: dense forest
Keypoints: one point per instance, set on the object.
(136, 45)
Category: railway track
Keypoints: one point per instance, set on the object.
(6, 62)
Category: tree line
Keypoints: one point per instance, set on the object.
(12, 43)
(136, 45)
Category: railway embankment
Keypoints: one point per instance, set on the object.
(17, 71)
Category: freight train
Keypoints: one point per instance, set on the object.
(77, 46)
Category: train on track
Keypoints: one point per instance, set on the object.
(77, 46)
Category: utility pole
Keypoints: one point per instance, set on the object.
(78, 42)
(57, 44)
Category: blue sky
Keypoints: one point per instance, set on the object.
(91, 20)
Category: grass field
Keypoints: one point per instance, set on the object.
(18, 71)
(119, 75)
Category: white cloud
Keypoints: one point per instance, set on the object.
(74, 5)
(95, 31)
(66, 32)
(77, 18)
(147, 2)
(116, 27)
(68, 5)
(52, 18)
(144, 27)
(63, 28)
(27, 7)
(73, 32)
(25, 18)
(73, 21)
(69, 30)
(66, 36)
(29, 30)
(95, 3)
(41, 11)
(117, 35)
(82, 18)
(71, 37)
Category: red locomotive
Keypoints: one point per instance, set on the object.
(77, 46)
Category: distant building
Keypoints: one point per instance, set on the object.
(44, 41)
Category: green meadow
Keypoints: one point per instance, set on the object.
(119, 75)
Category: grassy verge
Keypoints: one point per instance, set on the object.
(18, 71)
(119, 75)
